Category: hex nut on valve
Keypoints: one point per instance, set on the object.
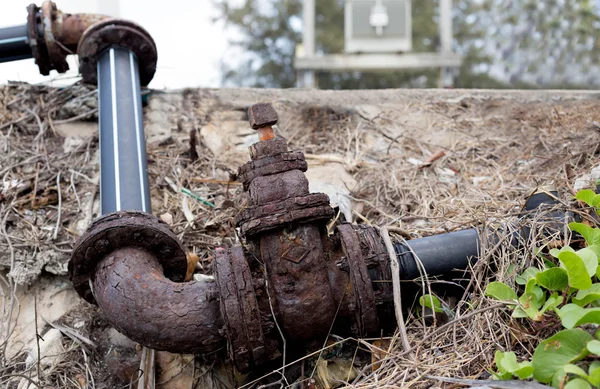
(262, 117)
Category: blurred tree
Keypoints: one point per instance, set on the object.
(523, 43)
(552, 43)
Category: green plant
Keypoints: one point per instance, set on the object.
(564, 292)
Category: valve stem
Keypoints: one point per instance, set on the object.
(262, 118)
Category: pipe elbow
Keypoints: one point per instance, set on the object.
(139, 301)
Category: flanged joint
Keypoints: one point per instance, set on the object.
(370, 276)
(247, 344)
(116, 32)
(48, 53)
(119, 230)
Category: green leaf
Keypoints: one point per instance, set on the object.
(502, 376)
(508, 366)
(506, 361)
(528, 274)
(553, 302)
(531, 302)
(431, 301)
(524, 371)
(578, 383)
(587, 196)
(573, 315)
(500, 291)
(574, 369)
(553, 279)
(559, 378)
(555, 252)
(576, 270)
(586, 296)
(552, 354)
(590, 259)
(593, 346)
(595, 248)
(591, 235)
(519, 313)
(594, 373)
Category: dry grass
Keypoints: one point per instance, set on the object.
(495, 152)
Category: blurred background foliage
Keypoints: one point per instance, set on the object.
(505, 44)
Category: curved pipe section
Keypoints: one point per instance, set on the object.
(139, 301)
(69, 28)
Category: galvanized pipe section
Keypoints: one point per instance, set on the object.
(123, 165)
(14, 43)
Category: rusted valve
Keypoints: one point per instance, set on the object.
(301, 276)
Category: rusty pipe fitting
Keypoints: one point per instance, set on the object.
(132, 266)
(53, 35)
(301, 279)
(140, 302)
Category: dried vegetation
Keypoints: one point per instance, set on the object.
(424, 164)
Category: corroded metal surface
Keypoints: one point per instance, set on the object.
(137, 299)
(53, 35)
(302, 209)
(122, 33)
(69, 28)
(299, 282)
(239, 308)
(366, 313)
(376, 258)
(36, 40)
(262, 115)
(125, 229)
(57, 56)
(271, 165)
(267, 148)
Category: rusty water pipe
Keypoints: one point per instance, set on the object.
(291, 279)
(50, 35)
(53, 35)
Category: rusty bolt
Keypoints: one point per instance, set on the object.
(262, 115)
(262, 118)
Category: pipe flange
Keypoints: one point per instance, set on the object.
(116, 32)
(303, 209)
(57, 55)
(268, 148)
(269, 165)
(362, 288)
(119, 230)
(239, 309)
(36, 39)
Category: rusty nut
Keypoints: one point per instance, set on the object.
(262, 115)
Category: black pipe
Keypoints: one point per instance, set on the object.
(441, 254)
(14, 43)
(123, 165)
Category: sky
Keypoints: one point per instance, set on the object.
(190, 46)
